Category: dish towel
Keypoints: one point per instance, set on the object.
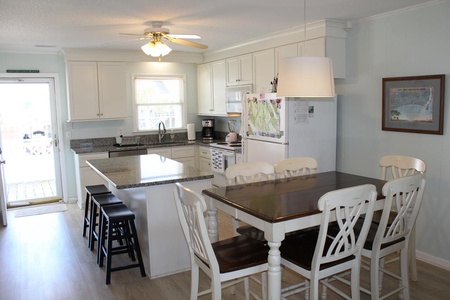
(217, 161)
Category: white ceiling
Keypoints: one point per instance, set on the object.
(49, 25)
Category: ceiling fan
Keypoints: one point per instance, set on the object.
(158, 34)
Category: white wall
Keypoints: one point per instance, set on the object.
(405, 43)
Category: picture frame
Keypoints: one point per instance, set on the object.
(414, 104)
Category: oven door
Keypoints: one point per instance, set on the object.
(221, 159)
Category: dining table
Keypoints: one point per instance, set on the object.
(278, 207)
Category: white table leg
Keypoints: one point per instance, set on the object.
(274, 271)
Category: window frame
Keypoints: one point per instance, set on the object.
(183, 101)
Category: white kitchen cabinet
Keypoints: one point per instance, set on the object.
(183, 154)
(331, 47)
(204, 89)
(85, 176)
(263, 70)
(239, 70)
(163, 151)
(204, 159)
(96, 91)
(211, 86)
(290, 50)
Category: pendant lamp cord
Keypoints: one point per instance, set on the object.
(304, 26)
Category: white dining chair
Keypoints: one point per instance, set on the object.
(226, 262)
(397, 166)
(400, 166)
(391, 237)
(248, 173)
(317, 255)
(295, 166)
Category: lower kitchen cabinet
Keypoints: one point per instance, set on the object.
(204, 159)
(183, 154)
(86, 176)
(164, 151)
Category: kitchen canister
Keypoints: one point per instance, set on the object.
(191, 131)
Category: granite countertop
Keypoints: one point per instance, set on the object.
(145, 170)
(106, 145)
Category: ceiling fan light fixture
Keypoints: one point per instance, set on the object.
(156, 49)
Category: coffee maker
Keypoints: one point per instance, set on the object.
(208, 129)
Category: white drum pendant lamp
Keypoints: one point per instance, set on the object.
(305, 76)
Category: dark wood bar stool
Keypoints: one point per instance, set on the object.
(97, 202)
(117, 224)
(91, 190)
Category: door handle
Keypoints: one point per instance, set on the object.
(2, 162)
(56, 141)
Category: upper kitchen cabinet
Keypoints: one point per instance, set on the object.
(239, 70)
(290, 50)
(97, 91)
(211, 88)
(263, 70)
(331, 47)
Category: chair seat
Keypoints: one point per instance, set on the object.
(239, 252)
(97, 189)
(300, 250)
(118, 212)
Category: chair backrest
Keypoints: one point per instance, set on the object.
(346, 206)
(401, 166)
(190, 207)
(405, 196)
(249, 172)
(295, 166)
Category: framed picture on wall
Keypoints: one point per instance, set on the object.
(414, 104)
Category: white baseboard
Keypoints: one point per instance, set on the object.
(433, 260)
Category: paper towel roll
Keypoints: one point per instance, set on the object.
(191, 131)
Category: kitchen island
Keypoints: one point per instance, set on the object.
(145, 183)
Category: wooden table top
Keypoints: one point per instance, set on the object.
(284, 199)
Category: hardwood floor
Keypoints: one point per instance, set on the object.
(45, 257)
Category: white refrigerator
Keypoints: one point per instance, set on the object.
(276, 128)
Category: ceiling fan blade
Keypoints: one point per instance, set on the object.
(186, 43)
(133, 34)
(184, 36)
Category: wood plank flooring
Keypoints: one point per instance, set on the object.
(45, 257)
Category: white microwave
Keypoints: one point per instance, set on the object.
(234, 96)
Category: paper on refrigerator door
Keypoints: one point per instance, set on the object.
(266, 117)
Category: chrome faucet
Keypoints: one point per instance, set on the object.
(162, 132)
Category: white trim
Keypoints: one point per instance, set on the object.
(433, 260)
(399, 11)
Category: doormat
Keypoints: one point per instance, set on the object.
(39, 210)
(22, 203)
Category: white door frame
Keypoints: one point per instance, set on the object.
(57, 134)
